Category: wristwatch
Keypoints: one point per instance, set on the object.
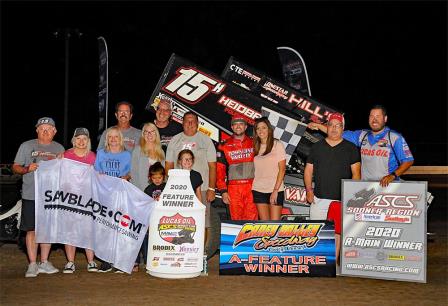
(394, 174)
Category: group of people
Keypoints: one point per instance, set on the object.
(379, 154)
(247, 171)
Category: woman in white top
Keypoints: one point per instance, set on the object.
(148, 152)
(270, 167)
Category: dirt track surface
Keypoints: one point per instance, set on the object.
(83, 288)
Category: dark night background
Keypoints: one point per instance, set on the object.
(357, 54)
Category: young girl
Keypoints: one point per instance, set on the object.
(185, 160)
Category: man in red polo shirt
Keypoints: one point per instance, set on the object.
(235, 172)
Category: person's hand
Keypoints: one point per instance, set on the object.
(226, 198)
(273, 197)
(210, 196)
(126, 177)
(33, 167)
(310, 197)
(313, 126)
(385, 181)
(60, 155)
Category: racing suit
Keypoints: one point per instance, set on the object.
(234, 175)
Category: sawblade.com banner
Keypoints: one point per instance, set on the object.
(384, 230)
(277, 248)
(77, 206)
(215, 100)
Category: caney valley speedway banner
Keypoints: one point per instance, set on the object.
(384, 230)
(282, 249)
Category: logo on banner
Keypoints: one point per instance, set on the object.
(177, 229)
(384, 207)
(279, 237)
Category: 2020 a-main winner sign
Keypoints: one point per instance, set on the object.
(384, 230)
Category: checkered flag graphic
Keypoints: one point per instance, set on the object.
(287, 130)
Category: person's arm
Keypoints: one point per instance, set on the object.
(318, 126)
(386, 180)
(211, 181)
(278, 181)
(356, 171)
(308, 180)
(22, 170)
(221, 174)
(198, 193)
(168, 166)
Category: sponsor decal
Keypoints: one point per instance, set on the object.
(245, 73)
(382, 218)
(279, 237)
(233, 107)
(191, 85)
(177, 229)
(117, 220)
(276, 90)
(398, 208)
(295, 194)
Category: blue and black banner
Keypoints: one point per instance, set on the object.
(283, 248)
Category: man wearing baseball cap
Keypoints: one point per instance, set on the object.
(27, 160)
(330, 160)
(385, 154)
(235, 171)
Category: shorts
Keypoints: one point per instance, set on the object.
(261, 197)
(334, 214)
(207, 208)
(28, 215)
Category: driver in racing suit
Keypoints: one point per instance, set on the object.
(235, 172)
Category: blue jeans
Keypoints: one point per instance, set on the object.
(143, 250)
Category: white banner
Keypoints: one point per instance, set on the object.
(75, 205)
(176, 238)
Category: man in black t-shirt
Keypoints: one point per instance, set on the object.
(167, 127)
(330, 160)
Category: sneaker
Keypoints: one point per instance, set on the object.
(92, 267)
(117, 271)
(105, 267)
(47, 267)
(32, 271)
(69, 268)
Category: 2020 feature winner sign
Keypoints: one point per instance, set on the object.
(277, 248)
(384, 230)
(176, 235)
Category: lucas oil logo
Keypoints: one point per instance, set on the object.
(177, 229)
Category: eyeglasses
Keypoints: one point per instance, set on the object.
(186, 159)
(337, 126)
(123, 112)
(148, 132)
